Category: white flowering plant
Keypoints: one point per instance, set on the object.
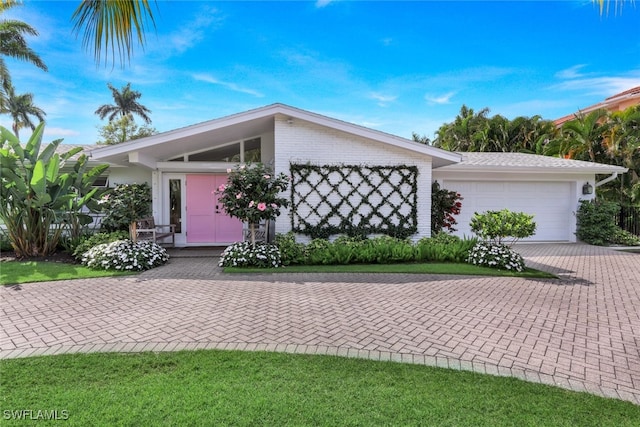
(495, 255)
(125, 255)
(244, 254)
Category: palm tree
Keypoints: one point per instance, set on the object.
(112, 23)
(21, 108)
(465, 133)
(622, 145)
(126, 104)
(602, 3)
(14, 45)
(582, 137)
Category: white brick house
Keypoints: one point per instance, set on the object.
(184, 166)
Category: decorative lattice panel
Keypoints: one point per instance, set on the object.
(354, 200)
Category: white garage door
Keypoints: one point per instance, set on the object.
(549, 202)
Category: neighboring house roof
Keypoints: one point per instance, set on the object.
(617, 102)
(523, 162)
(249, 124)
(64, 148)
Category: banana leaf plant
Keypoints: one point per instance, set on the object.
(41, 197)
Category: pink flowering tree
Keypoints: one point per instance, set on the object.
(252, 194)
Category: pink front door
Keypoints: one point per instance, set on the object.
(207, 222)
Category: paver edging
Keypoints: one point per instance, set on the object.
(442, 362)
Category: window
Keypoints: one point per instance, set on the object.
(175, 203)
(228, 153)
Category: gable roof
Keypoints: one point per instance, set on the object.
(249, 124)
(524, 162)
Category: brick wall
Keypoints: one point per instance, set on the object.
(304, 142)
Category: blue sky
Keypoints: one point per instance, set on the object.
(398, 67)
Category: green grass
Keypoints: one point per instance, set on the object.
(271, 389)
(410, 268)
(15, 272)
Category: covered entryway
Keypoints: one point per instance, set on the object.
(549, 202)
(207, 222)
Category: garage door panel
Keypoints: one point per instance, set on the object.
(549, 202)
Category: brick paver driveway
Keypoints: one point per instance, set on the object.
(581, 331)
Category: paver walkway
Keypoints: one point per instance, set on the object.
(580, 332)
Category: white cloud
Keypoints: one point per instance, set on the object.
(601, 85)
(189, 33)
(571, 73)
(228, 85)
(60, 132)
(383, 100)
(387, 41)
(323, 3)
(442, 99)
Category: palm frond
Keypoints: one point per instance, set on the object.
(110, 25)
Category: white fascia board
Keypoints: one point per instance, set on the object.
(150, 141)
(272, 110)
(600, 169)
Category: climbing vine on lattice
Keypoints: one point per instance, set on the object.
(354, 200)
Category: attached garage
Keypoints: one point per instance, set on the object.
(549, 188)
(549, 202)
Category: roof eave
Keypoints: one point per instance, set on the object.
(605, 169)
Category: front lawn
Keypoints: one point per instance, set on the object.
(274, 389)
(15, 272)
(408, 268)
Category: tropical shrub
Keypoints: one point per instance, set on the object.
(384, 249)
(253, 193)
(496, 226)
(316, 251)
(39, 201)
(625, 238)
(123, 205)
(5, 244)
(89, 242)
(444, 238)
(246, 254)
(444, 247)
(596, 222)
(444, 205)
(125, 255)
(495, 255)
(377, 250)
(291, 252)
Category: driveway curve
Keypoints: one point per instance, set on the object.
(581, 331)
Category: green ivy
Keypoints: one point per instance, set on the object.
(340, 200)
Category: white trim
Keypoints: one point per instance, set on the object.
(272, 111)
(165, 216)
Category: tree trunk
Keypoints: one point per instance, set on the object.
(252, 229)
(133, 234)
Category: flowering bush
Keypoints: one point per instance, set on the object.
(124, 204)
(495, 255)
(252, 193)
(444, 205)
(125, 255)
(244, 254)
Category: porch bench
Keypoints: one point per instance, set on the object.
(147, 229)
